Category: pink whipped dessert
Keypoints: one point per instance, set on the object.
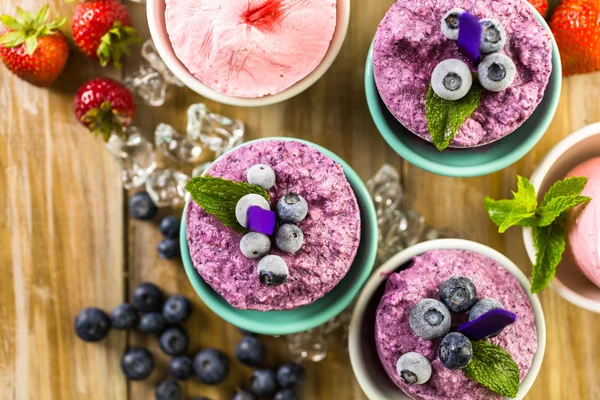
(584, 223)
(423, 279)
(331, 229)
(250, 48)
(410, 44)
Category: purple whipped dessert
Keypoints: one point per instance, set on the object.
(331, 229)
(409, 44)
(421, 280)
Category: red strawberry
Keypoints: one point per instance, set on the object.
(102, 30)
(32, 48)
(541, 6)
(576, 27)
(104, 106)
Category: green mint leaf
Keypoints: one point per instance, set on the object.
(550, 244)
(519, 211)
(494, 368)
(556, 206)
(218, 197)
(566, 187)
(444, 117)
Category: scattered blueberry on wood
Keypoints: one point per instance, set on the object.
(177, 309)
(169, 389)
(152, 323)
(137, 363)
(168, 249)
(250, 351)
(173, 341)
(290, 375)
(211, 366)
(181, 367)
(264, 382)
(285, 394)
(92, 324)
(147, 297)
(169, 226)
(124, 316)
(142, 207)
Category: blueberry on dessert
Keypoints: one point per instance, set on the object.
(451, 79)
(289, 238)
(450, 23)
(273, 271)
(249, 200)
(483, 306)
(455, 350)
(413, 368)
(255, 245)
(496, 72)
(493, 38)
(292, 208)
(261, 175)
(458, 294)
(430, 319)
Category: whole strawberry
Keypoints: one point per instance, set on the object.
(576, 27)
(32, 48)
(541, 6)
(102, 30)
(104, 106)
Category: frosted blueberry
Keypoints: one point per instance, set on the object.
(273, 271)
(255, 245)
(292, 208)
(430, 319)
(483, 306)
(493, 37)
(455, 350)
(496, 72)
(289, 238)
(450, 23)
(451, 79)
(413, 368)
(249, 200)
(458, 294)
(261, 175)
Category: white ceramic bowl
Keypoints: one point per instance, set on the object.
(155, 10)
(570, 282)
(367, 368)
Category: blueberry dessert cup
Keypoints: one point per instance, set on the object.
(274, 227)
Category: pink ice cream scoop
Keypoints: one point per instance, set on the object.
(250, 48)
(584, 223)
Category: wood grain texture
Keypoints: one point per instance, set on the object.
(67, 242)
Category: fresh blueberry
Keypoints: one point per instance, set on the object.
(137, 363)
(211, 366)
(169, 389)
(451, 79)
(141, 206)
(243, 395)
(292, 208)
(430, 319)
(147, 297)
(273, 271)
(261, 175)
(450, 23)
(458, 293)
(493, 37)
(413, 368)
(177, 309)
(285, 394)
(250, 351)
(173, 341)
(496, 72)
(455, 350)
(289, 238)
(255, 245)
(181, 367)
(290, 375)
(124, 316)
(483, 306)
(168, 249)
(152, 323)
(169, 226)
(249, 200)
(92, 324)
(264, 382)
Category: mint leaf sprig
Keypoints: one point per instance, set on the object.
(219, 197)
(547, 220)
(494, 368)
(444, 117)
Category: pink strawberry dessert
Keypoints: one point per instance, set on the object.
(250, 48)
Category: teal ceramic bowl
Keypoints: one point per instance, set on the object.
(314, 314)
(469, 162)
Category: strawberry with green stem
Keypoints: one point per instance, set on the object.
(32, 47)
(102, 29)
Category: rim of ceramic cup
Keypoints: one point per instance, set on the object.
(538, 177)
(356, 342)
(318, 312)
(158, 32)
(419, 152)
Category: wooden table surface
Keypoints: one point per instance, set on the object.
(66, 241)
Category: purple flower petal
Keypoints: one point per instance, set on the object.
(261, 220)
(488, 324)
(469, 36)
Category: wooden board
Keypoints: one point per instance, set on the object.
(68, 243)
